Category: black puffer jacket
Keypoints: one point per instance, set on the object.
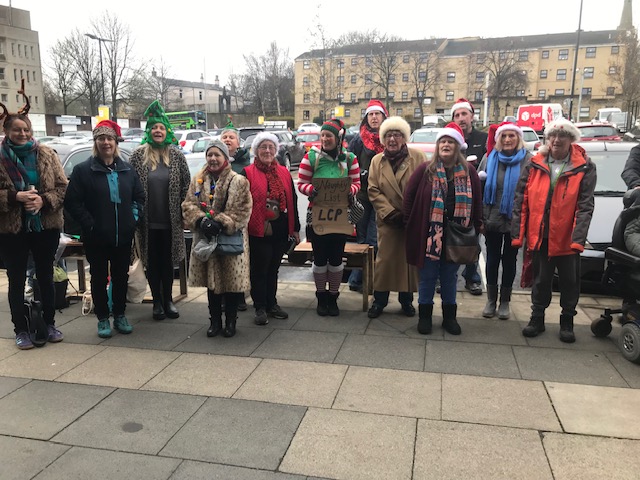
(364, 156)
(103, 201)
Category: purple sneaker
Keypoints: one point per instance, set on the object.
(23, 341)
(55, 335)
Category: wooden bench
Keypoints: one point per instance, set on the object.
(357, 256)
(74, 250)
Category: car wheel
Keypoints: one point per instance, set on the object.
(630, 342)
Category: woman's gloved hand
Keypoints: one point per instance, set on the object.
(210, 227)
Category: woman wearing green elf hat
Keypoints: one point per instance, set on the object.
(165, 177)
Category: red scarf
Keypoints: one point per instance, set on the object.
(275, 188)
(370, 139)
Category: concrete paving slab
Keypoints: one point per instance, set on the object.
(22, 458)
(391, 392)
(497, 401)
(297, 294)
(448, 450)
(382, 352)
(48, 362)
(242, 344)
(237, 432)
(352, 445)
(471, 359)
(197, 374)
(7, 348)
(132, 421)
(301, 345)
(246, 319)
(82, 463)
(158, 335)
(480, 330)
(120, 367)
(591, 458)
(570, 366)
(594, 410)
(10, 384)
(628, 370)
(378, 326)
(522, 311)
(6, 328)
(347, 322)
(82, 330)
(585, 340)
(293, 383)
(190, 470)
(41, 409)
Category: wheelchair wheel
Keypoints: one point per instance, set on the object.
(630, 342)
(601, 327)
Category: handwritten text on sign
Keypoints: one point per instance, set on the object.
(330, 206)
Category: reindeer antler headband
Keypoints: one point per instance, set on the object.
(23, 111)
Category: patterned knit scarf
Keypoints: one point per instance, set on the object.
(370, 139)
(462, 210)
(275, 188)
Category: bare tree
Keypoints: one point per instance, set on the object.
(424, 75)
(625, 67)
(64, 75)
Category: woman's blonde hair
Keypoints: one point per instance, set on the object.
(520, 145)
(96, 153)
(460, 160)
(153, 156)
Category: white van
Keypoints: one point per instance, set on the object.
(603, 113)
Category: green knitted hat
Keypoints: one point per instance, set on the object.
(155, 114)
(334, 126)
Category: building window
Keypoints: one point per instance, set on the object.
(340, 97)
(321, 79)
(561, 74)
(354, 79)
(13, 49)
(353, 97)
(586, 91)
(405, 77)
(449, 96)
(613, 70)
(559, 91)
(36, 99)
(305, 114)
(322, 97)
(347, 112)
(422, 76)
(354, 61)
(563, 54)
(4, 97)
(590, 52)
(20, 51)
(451, 77)
(362, 113)
(321, 62)
(615, 50)
(367, 95)
(523, 56)
(479, 77)
(611, 91)
(399, 112)
(543, 74)
(545, 53)
(392, 78)
(306, 64)
(15, 74)
(405, 96)
(479, 96)
(180, 93)
(21, 74)
(32, 56)
(340, 63)
(542, 93)
(1, 73)
(416, 112)
(340, 79)
(367, 79)
(588, 72)
(368, 61)
(34, 76)
(481, 57)
(584, 112)
(2, 48)
(424, 57)
(420, 94)
(28, 76)
(305, 81)
(200, 95)
(392, 95)
(519, 93)
(306, 98)
(406, 58)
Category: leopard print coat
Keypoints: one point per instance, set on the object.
(220, 273)
(179, 178)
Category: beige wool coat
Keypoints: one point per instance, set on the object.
(232, 204)
(392, 272)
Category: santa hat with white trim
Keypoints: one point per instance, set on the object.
(376, 106)
(504, 126)
(462, 103)
(454, 131)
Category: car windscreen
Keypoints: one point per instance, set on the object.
(530, 136)
(595, 132)
(308, 137)
(609, 166)
(424, 137)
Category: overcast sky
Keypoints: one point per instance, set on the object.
(208, 36)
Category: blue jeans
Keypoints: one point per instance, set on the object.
(367, 232)
(382, 298)
(429, 273)
(471, 274)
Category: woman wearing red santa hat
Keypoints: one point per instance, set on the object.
(447, 189)
(105, 197)
(500, 170)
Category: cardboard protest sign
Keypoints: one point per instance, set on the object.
(330, 206)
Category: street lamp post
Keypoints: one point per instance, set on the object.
(100, 40)
(575, 65)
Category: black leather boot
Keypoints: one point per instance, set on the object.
(566, 329)
(158, 310)
(322, 308)
(449, 321)
(332, 304)
(215, 314)
(425, 318)
(231, 314)
(169, 308)
(535, 326)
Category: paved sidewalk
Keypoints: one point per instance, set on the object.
(319, 397)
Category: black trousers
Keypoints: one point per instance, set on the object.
(159, 264)
(231, 300)
(568, 267)
(14, 251)
(105, 262)
(265, 258)
(327, 248)
(499, 250)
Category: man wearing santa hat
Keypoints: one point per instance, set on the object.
(462, 114)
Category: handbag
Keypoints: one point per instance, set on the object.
(355, 212)
(38, 331)
(229, 244)
(461, 243)
(137, 283)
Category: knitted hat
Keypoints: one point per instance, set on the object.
(220, 146)
(261, 137)
(334, 125)
(504, 126)
(376, 106)
(155, 114)
(462, 103)
(562, 125)
(395, 123)
(108, 128)
(454, 131)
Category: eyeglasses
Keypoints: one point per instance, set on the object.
(395, 135)
(267, 147)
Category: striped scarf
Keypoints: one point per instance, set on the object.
(462, 210)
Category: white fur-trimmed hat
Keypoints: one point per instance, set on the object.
(454, 131)
(462, 103)
(395, 123)
(504, 126)
(261, 137)
(562, 125)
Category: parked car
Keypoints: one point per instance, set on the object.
(308, 127)
(531, 139)
(129, 133)
(598, 131)
(215, 133)
(246, 132)
(424, 139)
(80, 153)
(186, 138)
(290, 152)
(312, 139)
(351, 132)
(620, 121)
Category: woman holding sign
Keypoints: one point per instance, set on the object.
(321, 169)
